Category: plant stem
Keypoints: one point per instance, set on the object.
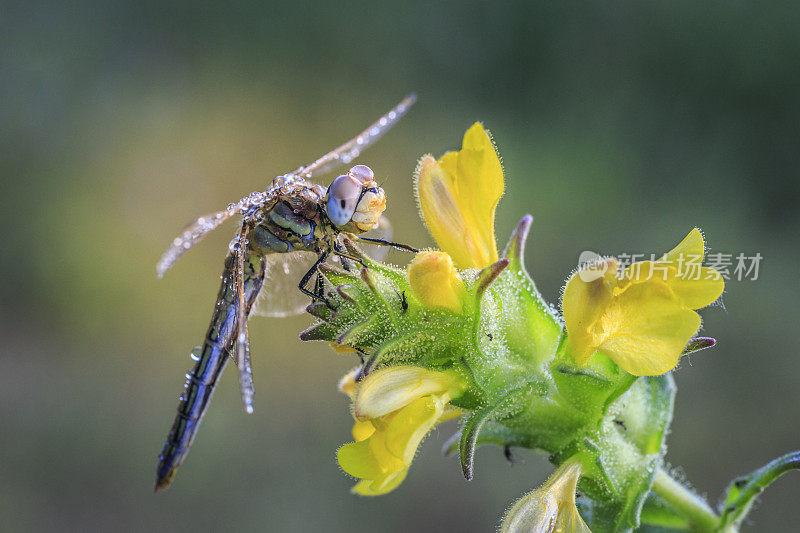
(684, 501)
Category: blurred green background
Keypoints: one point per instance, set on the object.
(621, 125)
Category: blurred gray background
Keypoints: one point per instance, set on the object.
(621, 126)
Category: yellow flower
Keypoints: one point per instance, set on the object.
(347, 385)
(458, 195)
(641, 317)
(435, 282)
(550, 508)
(395, 408)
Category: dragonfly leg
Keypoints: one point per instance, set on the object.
(319, 287)
(345, 255)
(315, 295)
(340, 250)
(382, 242)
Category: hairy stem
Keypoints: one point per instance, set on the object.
(684, 501)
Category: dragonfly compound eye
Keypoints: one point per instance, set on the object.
(342, 199)
(362, 173)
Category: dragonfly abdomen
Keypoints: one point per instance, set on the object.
(210, 359)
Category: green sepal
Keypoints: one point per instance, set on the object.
(321, 331)
(623, 454)
(696, 344)
(532, 328)
(474, 423)
(470, 431)
(491, 433)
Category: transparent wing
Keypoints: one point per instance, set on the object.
(242, 336)
(352, 148)
(280, 295)
(193, 233)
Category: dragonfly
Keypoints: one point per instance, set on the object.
(286, 232)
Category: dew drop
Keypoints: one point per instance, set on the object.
(196, 353)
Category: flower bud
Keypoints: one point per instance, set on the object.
(435, 281)
(393, 388)
(550, 508)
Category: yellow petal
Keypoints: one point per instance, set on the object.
(450, 413)
(347, 385)
(586, 296)
(392, 388)
(645, 329)
(362, 430)
(694, 285)
(690, 248)
(342, 348)
(381, 485)
(644, 271)
(435, 282)
(698, 290)
(534, 512)
(409, 427)
(458, 196)
(388, 461)
(357, 460)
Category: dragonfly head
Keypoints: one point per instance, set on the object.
(354, 201)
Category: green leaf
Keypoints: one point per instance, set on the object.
(743, 491)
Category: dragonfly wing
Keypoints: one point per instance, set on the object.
(280, 295)
(193, 233)
(350, 150)
(245, 369)
(242, 337)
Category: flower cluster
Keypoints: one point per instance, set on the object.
(463, 333)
